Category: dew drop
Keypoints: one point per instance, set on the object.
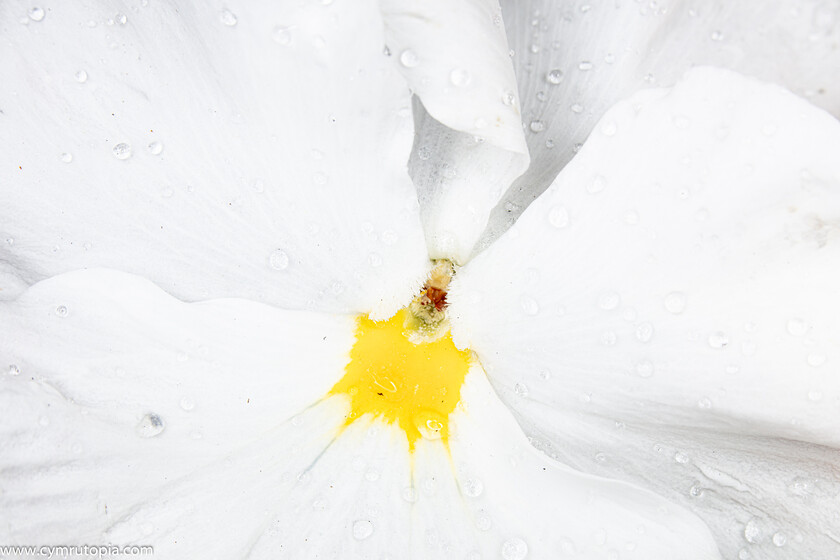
(554, 77)
(514, 549)
(375, 260)
(644, 332)
(537, 126)
(675, 303)
(460, 77)
(67, 157)
(680, 458)
(362, 529)
(121, 19)
(483, 521)
(644, 368)
(585, 65)
(228, 18)
(156, 148)
(609, 128)
(529, 305)
(122, 151)
(14, 370)
(752, 531)
(558, 216)
(282, 35)
(521, 389)
(718, 340)
(187, 404)
(36, 13)
(599, 183)
(81, 76)
(61, 311)
(705, 403)
(717, 35)
(278, 259)
(549, 143)
(779, 539)
(609, 301)
(409, 494)
(150, 425)
(409, 58)
(472, 487)
(576, 108)
(509, 98)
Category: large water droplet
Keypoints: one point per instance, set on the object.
(36, 13)
(514, 549)
(122, 151)
(362, 529)
(675, 303)
(409, 58)
(554, 77)
(150, 425)
(228, 18)
(278, 259)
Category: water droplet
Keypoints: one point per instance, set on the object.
(705, 403)
(681, 458)
(609, 338)
(537, 126)
(558, 216)
(601, 458)
(67, 157)
(460, 77)
(409, 58)
(609, 128)
(14, 370)
(483, 521)
(609, 301)
(529, 305)
(278, 259)
(187, 403)
(717, 35)
(122, 151)
(816, 360)
(81, 76)
(585, 65)
(514, 549)
(521, 389)
(554, 77)
(36, 13)
(801, 486)
(545, 374)
(644, 332)
(743, 554)
(150, 425)
(549, 143)
(409, 494)
(121, 19)
(282, 35)
(718, 340)
(372, 475)
(61, 311)
(362, 529)
(675, 303)
(779, 539)
(228, 18)
(509, 98)
(155, 148)
(599, 183)
(797, 327)
(472, 487)
(609, 58)
(576, 108)
(430, 425)
(696, 491)
(752, 531)
(644, 368)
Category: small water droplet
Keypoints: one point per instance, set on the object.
(155, 148)
(675, 302)
(521, 389)
(797, 327)
(609, 301)
(554, 77)
(779, 539)
(529, 305)
(282, 35)
(705, 403)
(696, 491)
(187, 403)
(362, 529)
(121, 18)
(601, 458)
(558, 216)
(409, 494)
(537, 126)
(472, 487)
(609, 128)
(576, 108)
(14, 370)
(372, 475)
(460, 77)
(228, 18)
(717, 35)
(36, 13)
(122, 151)
(514, 549)
(549, 143)
(644, 368)
(680, 458)
(483, 521)
(61, 311)
(718, 340)
(509, 98)
(609, 58)
(150, 425)
(278, 259)
(644, 332)
(815, 396)
(81, 76)
(67, 157)
(599, 183)
(585, 65)
(409, 58)
(609, 338)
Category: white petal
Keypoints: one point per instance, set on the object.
(469, 144)
(268, 146)
(601, 52)
(112, 389)
(680, 277)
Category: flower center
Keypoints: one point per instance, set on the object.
(406, 379)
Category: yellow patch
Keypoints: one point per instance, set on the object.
(415, 386)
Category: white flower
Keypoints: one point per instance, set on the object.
(664, 315)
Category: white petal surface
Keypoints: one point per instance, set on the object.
(113, 390)
(575, 59)
(254, 150)
(229, 468)
(469, 145)
(679, 279)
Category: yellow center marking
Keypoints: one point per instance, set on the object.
(415, 386)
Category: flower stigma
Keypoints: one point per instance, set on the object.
(407, 370)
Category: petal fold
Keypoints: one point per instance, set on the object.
(678, 283)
